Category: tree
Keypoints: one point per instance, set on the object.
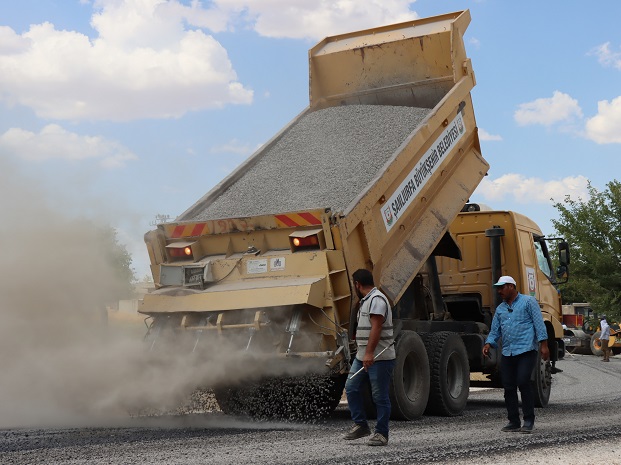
(119, 260)
(593, 229)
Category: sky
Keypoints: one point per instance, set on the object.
(118, 111)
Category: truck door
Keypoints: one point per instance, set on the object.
(539, 278)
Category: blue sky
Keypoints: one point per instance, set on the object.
(120, 110)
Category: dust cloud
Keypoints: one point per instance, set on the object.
(60, 363)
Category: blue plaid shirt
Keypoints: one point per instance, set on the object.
(521, 329)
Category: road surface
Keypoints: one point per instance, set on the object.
(580, 426)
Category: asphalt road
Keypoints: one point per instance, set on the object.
(580, 426)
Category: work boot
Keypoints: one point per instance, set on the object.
(510, 428)
(357, 431)
(378, 439)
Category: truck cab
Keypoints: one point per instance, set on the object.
(495, 243)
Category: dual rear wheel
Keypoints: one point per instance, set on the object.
(431, 376)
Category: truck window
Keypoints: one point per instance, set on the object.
(542, 258)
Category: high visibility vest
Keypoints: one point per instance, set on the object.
(364, 326)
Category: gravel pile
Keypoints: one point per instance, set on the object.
(301, 399)
(325, 160)
(200, 401)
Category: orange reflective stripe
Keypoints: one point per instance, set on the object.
(187, 230)
(298, 219)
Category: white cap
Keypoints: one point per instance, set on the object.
(505, 280)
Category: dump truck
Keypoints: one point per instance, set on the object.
(496, 243)
(372, 174)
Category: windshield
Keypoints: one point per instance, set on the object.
(542, 258)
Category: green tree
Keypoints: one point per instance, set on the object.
(120, 261)
(593, 229)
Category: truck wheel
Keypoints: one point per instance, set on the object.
(409, 389)
(450, 374)
(596, 344)
(542, 381)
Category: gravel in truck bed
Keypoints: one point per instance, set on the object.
(324, 160)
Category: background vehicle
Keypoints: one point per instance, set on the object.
(371, 175)
(582, 331)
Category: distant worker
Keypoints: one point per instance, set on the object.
(519, 323)
(374, 338)
(605, 337)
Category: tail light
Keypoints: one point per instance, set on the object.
(181, 253)
(184, 250)
(311, 239)
(305, 241)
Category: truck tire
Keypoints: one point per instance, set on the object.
(596, 344)
(542, 381)
(450, 374)
(409, 389)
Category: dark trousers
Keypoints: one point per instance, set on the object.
(379, 374)
(516, 372)
(605, 349)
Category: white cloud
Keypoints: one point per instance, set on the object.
(144, 63)
(476, 43)
(603, 128)
(606, 56)
(316, 19)
(484, 135)
(532, 190)
(54, 142)
(156, 58)
(10, 42)
(548, 111)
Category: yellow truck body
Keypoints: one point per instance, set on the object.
(524, 256)
(265, 258)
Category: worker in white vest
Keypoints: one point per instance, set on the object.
(375, 360)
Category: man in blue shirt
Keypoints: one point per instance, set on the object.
(519, 323)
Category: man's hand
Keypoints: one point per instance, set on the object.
(367, 361)
(545, 352)
(486, 350)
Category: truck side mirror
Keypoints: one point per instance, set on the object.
(562, 272)
(563, 254)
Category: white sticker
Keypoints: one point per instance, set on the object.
(532, 281)
(277, 264)
(256, 266)
(405, 194)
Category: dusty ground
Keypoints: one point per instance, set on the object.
(578, 427)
